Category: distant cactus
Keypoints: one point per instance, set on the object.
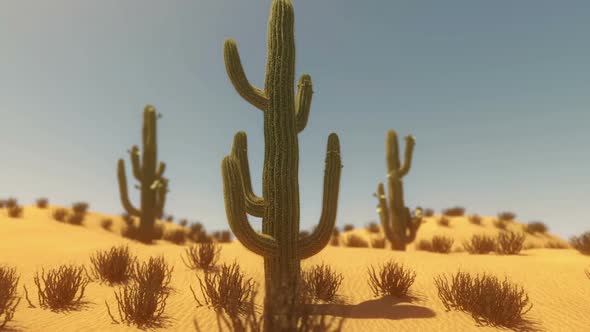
(285, 116)
(152, 185)
(399, 226)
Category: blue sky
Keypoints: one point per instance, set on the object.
(495, 92)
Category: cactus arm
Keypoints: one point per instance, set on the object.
(413, 224)
(123, 190)
(237, 76)
(319, 238)
(383, 212)
(303, 101)
(255, 205)
(410, 142)
(161, 169)
(261, 244)
(135, 163)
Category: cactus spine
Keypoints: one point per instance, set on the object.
(398, 225)
(285, 116)
(152, 185)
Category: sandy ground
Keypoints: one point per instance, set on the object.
(553, 278)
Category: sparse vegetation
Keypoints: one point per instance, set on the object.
(556, 244)
(321, 283)
(534, 227)
(488, 300)
(80, 207)
(176, 236)
(509, 243)
(428, 212)
(373, 227)
(8, 297)
(378, 242)
(183, 222)
(113, 266)
(202, 256)
(355, 241)
(225, 237)
(475, 219)
(480, 244)
(77, 218)
(423, 245)
(106, 223)
(60, 214)
(170, 218)
(15, 211)
(62, 288)
(11, 203)
(442, 244)
(348, 227)
(42, 203)
(500, 224)
(444, 221)
(581, 243)
(392, 279)
(506, 216)
(456, 211)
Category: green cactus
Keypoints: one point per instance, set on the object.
(152, 185)
(285, 115)
(399, 226)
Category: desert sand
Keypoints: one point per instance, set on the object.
(553, 278)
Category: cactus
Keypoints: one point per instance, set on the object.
(399, 226)
(152, 185)
(285, 116)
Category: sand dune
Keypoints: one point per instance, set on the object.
(554, 278)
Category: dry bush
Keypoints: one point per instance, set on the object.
(202, 256)
(143, 300)
(62, 288)
(456, 211)
(8, 298)
(442, 244)
(226, 290)
(42, 203)
(444, 221)
(80, 207)
(335, 232)
(506, 216)
(392, 279)
(127, 218)
(480, 244)
(488, 300)
(509, 243)
(378, 242)
(536, 227)
(373, 227)
(198, 234)
(2, 203)
(106, 223)
(423, 245)
(428, 212)
(355, 241)
(11, 203)
(348, 227)
(581, 243)
(335, 241)
(76, 219)
(169, 218)
(321, 283)
(556, 244)
(176, 236)
(60, 214)
(113, 266)
(183, 222)
(225, 237)
(475, 219)
(500, 224)
(15, 211)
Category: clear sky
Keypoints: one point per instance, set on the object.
(496, 93)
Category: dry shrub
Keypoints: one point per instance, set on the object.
(506, 216)
(80, 207)
(556, 244)
(143, 300)
(392, 279)
(2, 203)
(355, 241)
(62, 288)
(202, 256)
(183, 222)
(114, 266)
(536, 227)
(456, 211)
(176, 236)
(475, 219)
(225, 237)
(169, 218)
(11, 203)
(226, 290)
(106, 223)
(442, 244)
(198, 234)
(60, 214)
(335, 241)
(335, 232)
(423, 245)
(509, 243)
(15, 211)
(428, 212)
(444, 221)
(500, 224)
(127, 218)
(373, 227)
(378, 242)
(480, 244)
(348, 227)
(581, 243)
(77, 218)
(42, 203)
(488, 300)
(321, 283)
(8, 298)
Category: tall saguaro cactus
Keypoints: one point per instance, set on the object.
(399, 225)
(285, 116)
(153, 185)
